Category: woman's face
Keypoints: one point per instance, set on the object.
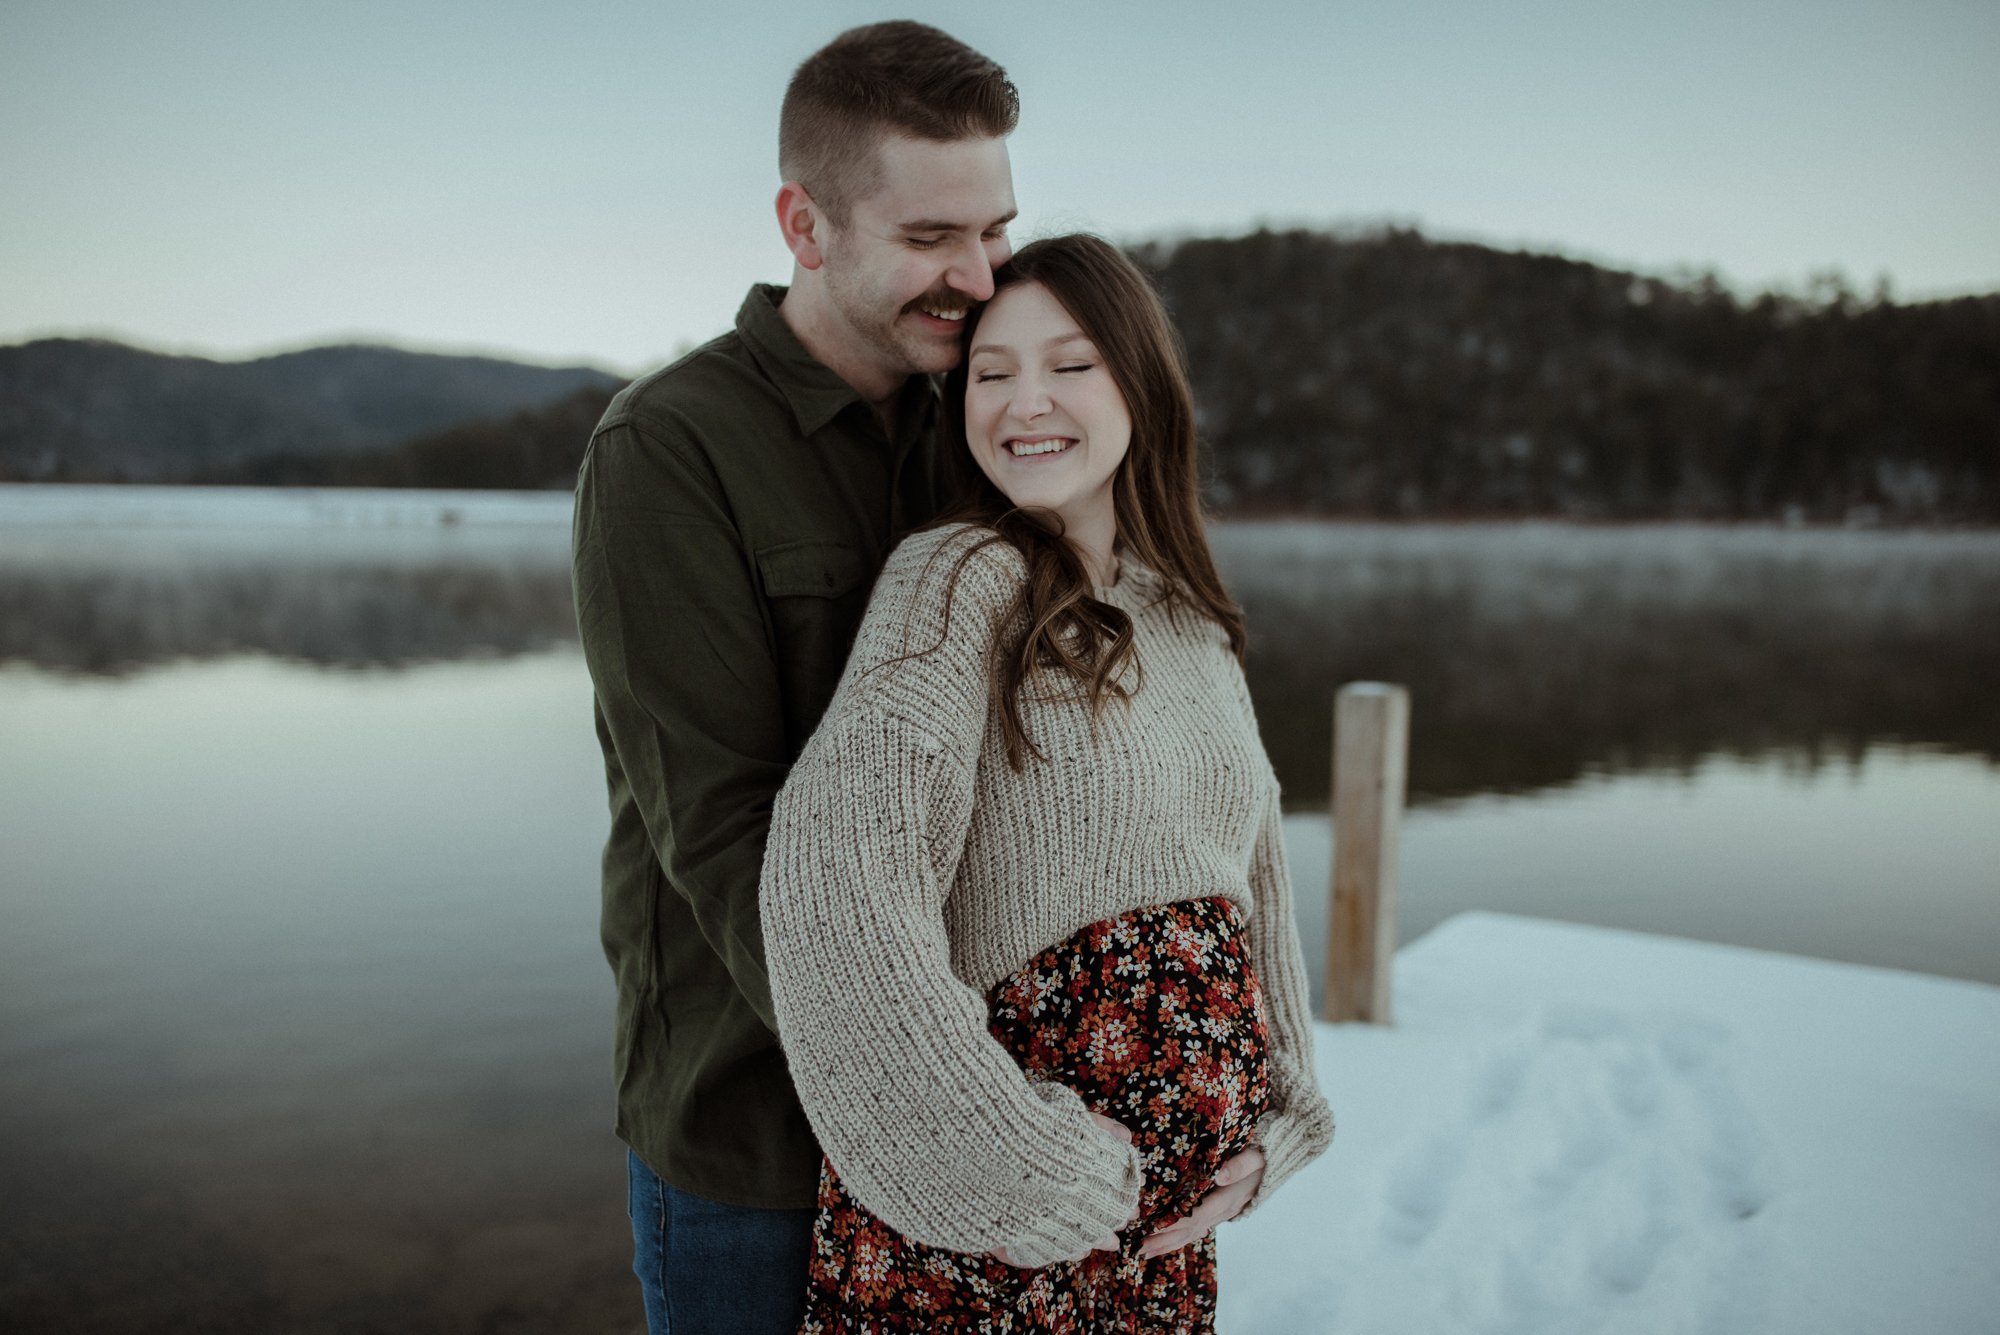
(1043, 417)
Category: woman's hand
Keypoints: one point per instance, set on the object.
(1109, 1242)
(1235, 1183)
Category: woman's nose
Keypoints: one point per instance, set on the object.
(1031, 399)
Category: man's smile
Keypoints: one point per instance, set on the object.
(940, 314)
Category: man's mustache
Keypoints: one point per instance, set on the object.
(942, 299)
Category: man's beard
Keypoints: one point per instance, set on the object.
(904, 347)
(899, 346)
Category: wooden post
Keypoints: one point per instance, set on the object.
(1371, 745)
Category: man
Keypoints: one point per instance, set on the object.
(732, 512)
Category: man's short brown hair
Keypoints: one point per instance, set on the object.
(886, 78)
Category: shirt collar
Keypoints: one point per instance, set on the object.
(816, 394)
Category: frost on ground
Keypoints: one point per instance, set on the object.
(1573, 1129)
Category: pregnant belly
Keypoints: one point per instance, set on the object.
(1152, 1017)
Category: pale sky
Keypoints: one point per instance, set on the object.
(593, 182)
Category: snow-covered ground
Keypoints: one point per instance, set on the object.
(1574, 1129)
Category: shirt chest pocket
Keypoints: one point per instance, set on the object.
(809, 569)
(816, 593)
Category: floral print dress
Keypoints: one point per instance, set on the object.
(1154, 1018)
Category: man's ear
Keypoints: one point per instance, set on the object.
(800, 222)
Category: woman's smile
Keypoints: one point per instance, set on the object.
(1039, 447)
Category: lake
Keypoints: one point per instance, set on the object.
(300, 813)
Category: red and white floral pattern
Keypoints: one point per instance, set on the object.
(1154, 1018)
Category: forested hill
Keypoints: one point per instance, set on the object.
(535, 449)
(1371, 374)
(1386, 374)
(95, 410)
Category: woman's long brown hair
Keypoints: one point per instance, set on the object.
(1156, 491)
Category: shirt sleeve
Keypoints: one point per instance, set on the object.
(926, 1117)
(1299, 1126)
(671, 620)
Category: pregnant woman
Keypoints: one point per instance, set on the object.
(1025, 904)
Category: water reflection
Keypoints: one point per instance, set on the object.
(300, 987)
(112, 622)
(1892, 859)
(1535, 654)
(107, 580)
(1538, 654)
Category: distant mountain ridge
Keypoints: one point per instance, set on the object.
(99, 410)
(535, 449)
(1353, 374)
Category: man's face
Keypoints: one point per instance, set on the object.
(920, 250)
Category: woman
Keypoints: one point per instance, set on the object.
(1025, 904)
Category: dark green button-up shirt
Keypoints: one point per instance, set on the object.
(732, 513)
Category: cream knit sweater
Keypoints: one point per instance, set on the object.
(909, 869)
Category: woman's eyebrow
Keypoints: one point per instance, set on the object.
(1074, 336)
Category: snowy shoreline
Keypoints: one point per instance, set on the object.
(73, 505)
(62, 504)
(1579, 1129)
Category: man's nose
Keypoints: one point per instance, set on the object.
(972, 275)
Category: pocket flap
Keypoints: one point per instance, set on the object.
(809, 569)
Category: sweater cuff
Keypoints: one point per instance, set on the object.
(1290, 1139)
(1101, 1197)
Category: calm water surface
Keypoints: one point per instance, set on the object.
(300, 813)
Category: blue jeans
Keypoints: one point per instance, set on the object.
(714, 1269)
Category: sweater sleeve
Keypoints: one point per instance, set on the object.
(928, 1120)
(1299, 1126)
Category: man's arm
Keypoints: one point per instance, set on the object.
(673, 630)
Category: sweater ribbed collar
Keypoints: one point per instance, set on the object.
(1134, 580)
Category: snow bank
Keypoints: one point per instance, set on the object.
(1575, 1129)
